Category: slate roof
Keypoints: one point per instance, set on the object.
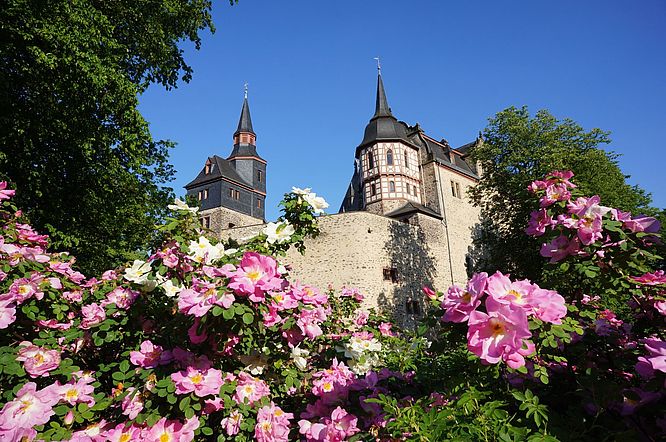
(353, 199)
(440, 153)
(412, 207)
(244, 122)
(383, 125)
(466, 148)
(221, 168)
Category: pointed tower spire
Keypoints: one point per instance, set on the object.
(382, 108)
(245, 122)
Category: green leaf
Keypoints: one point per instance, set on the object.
(248, 318)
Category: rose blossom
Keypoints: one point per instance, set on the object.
(202, 382)
(150, 355)
(93, 314)
(37, 361)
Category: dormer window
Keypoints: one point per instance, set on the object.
(208, 168)
(389, 157)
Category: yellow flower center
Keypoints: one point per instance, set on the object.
(125, 438)
(254, 275)
(72, 393)
(248, 389)
(278, 413)
(164, 437)
(497, 327)
(25, 404)
(266, 426)
(517, 295)
(327, 386)
(39, 358)
(196, 379)
(24, 289)
(278, 297)
(466, 297)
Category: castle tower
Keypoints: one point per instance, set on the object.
(387, 162)
(232, 191)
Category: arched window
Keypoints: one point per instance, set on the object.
(391, 186)
(406, 160)
(389, 157)
(371, 161)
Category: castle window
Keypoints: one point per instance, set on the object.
(236, 194)
(373, 190)
(406, 160)
(205, 222)
(453, 189)
(258, 203)
(203, 194)
(371, 161)
(208, 168)
(413, 307)
(259, 175)
(233, 193)
(391, 186)
(389, 157)
(458, 194)
(390, 274)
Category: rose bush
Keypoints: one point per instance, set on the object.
(212, 340)
(585, 362)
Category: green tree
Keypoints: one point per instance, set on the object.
(519, 149)
(72, 140)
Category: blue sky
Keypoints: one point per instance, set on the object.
(446, 65)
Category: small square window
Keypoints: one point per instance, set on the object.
(390, 274)
(205, 222)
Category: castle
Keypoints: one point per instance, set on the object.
(405, 220)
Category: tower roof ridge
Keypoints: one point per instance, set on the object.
(382, 108)
(245, 122)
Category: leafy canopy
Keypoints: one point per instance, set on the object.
(71, 136)
(518, 149)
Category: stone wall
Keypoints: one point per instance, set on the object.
(221, 218)
(461, 218)
(388, 260)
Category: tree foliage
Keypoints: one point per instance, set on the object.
(71, 136)
(519, 149)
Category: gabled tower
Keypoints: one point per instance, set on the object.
(247, 162)
(387, 163)
(232, 191)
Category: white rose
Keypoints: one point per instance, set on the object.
(278, 232)
(138, 273)
(180, 205)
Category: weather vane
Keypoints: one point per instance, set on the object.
(246, 89)
(379, 66)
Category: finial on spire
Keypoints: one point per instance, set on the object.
(379, 65)
(245, 89)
